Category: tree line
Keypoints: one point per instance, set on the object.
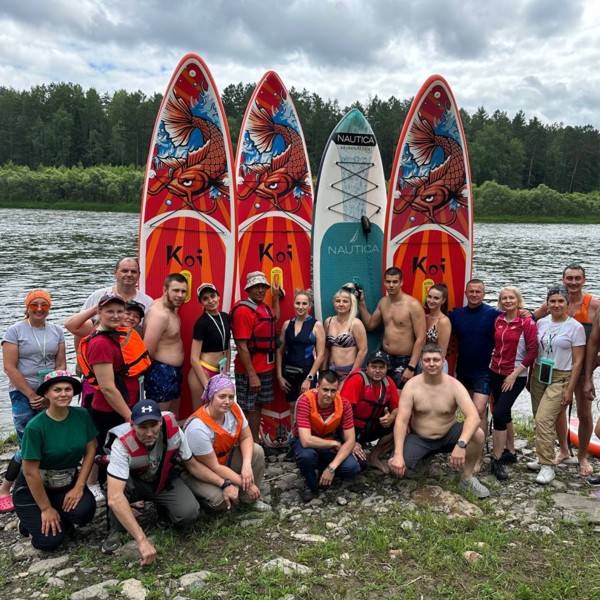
(61, 124)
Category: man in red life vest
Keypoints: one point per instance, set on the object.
(254, 328)
(143, 455)
(324, 432)
(374, 399)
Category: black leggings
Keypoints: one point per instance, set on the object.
(503, 401)
(30, 515)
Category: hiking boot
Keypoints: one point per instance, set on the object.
(112, 543)
(508, 457)
(534, 465)
(498, 470)
(308, 493)
(546, 475)
(475, 487)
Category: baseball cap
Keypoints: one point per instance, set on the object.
(145, 410)
(378, 356)
(108, 298)
(203, 287)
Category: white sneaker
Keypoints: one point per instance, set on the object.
(534, 465)
(475, 487)
(98, 494)
(546, 475)
(260, 506)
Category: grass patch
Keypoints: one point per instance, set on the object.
(8, 442)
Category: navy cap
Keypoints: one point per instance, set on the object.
(145, 410)
(378, 356)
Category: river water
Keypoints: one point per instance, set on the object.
(72, 253)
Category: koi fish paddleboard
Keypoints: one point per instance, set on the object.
(274, 212)
(429, 232)
(187, 222)
(349, 218)
(594, 446)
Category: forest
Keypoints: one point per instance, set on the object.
(102, 140)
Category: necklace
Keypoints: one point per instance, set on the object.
(340, 322)
(41, 346)
(220, 329)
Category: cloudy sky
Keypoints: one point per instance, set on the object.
(541, 56)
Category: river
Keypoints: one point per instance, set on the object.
(72, 253)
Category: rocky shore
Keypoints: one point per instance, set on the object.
(79, 571)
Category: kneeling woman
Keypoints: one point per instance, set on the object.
(219, 438)
(50, 494)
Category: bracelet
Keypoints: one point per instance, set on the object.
(310, 377)
(411, 368)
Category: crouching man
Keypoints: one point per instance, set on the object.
(324, 432)
(144, 454)
(429, 403)
(220, 439)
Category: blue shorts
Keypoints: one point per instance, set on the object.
(162, 382)
(397, 367)
(479, 383)
(22, 413)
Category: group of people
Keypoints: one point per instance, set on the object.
(398, 409)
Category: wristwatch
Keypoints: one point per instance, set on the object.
(411, 368)
(310, 377)
(330, 469)
(461, 444)
(226, 483)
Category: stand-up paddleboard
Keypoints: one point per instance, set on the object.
(187, 223)
(349, 218)
(274, 212)
(429, 232)
(594, 446)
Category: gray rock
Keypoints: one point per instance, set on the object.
(23, 550)
(541, 529)
(287, 566)
(95, 592)
(439, 500)
(307, 537)
(48, 565)
(250, 523)
(194, 582)
(66, 572)
(572, 503)
(133, 589)
(55, 582)
(341, 500)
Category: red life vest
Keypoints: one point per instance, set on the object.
(139, 454)
(134, 352)
(224, 441)
(371, 406)
(264, 332)
(324, 428)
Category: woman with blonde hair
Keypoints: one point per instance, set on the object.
(346, 335)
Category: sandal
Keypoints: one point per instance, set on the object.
(6, 504)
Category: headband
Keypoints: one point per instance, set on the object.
(216, 384)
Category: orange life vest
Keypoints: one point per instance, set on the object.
(582, 314)
(324, 428)
(224, 441)
(134, 352)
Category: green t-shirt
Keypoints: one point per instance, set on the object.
(58, 444)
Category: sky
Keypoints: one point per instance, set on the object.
(541, 56)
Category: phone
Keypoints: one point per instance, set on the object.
(545, 373)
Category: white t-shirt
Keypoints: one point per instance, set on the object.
(120, 459)
(201, 437)
(557, 340)
(94, 298)
(37, 349)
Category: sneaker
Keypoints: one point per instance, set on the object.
(498, 470)
(112, 543)
(595, 480)
(308, 493)
(98, 494)
(534, 465)
(508, 457)
(546, 475)
(260, 506)
(475, 487)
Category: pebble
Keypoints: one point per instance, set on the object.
(48, 565)
(132, 589)
(308, 537)
(95, 592)
(471, 556)
(194, 582)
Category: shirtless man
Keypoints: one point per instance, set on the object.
(403, 320)
(429, 403)
(583, 307)
(162, 336)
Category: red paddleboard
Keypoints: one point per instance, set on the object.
(187, 222)
(429, 232)
(593, 448)
(274, 212)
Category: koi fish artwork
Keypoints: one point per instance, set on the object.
(274, 174)
(202, 169)
(444, 184)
